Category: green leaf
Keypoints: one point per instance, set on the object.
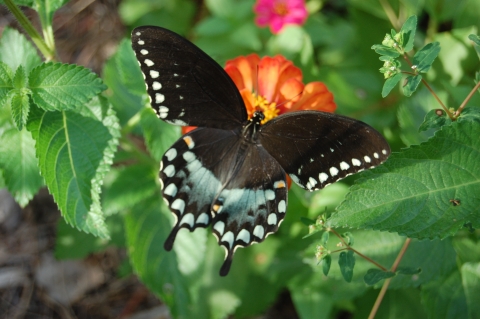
(128, 68)
(445, 298)
(384, 50)
(471, 114)
(411, 192)
(424, 58)
(20, 102)
(16, 50)
(131, 185)
(19, 165)
(471, 286)
(326, 263)
(147, 226)
(348, 236)
(71, 150)
(411, 85)
(325, 237)
(435, 119)
(312, 304)
(390, 84)
(6, 82)
(408, 29)
(476, 42)
(159, 136)
(57, 86)
(346, 261)
(307, 221)
(375, 275)
(408, 270)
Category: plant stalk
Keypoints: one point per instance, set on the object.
(464, 103)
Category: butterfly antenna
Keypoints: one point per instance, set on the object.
(256, 84)
(289, 100)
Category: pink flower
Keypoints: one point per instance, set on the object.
(277, 13)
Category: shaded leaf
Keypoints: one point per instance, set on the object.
(386, 51)
(408, 270)
(408, 29)
(410, 193)
(476, 42)
(6, 82)
(326, 263)
(346, 261)
(411, 85)
(424, 58)
(19, 165)
(375, 275)
(16, 50)
(470, 114)
(57, 86)
(390, 83)
(435, 119)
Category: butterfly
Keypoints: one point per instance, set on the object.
(231, 171)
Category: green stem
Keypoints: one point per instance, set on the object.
(347, 246)
(46, 22)
(384, 289)
(464, 103)
(47, 52)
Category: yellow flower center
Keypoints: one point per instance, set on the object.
(269, 109)
(281, 8)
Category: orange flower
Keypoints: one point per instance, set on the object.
(274, 86)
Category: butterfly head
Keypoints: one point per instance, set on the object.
(258, 117)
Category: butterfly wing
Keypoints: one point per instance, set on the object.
(317, 148)
(212, 176)
(186, 86)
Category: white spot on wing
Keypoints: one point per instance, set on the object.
(272, 219)
(244, 236)
(162, 111)
(202, 219)
(141, 42)
(322, 177)
(375, 155)
(159, 98)
(143, 51)
(188, 156)
(367, 159)
(344, 166)
(282, 206)
(356, 162)
(154, 74)
(137, 33)
(333, 171)
(384, 152)
(179, 205)
(171, 154)
(269, 194)
(259, 231)
(219, 227)
(189, 141)
(170, 190)
(169, 170)
(187, 219)
(228, 237)
(156, 86)
(148, 62)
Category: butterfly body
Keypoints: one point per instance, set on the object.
(230, 172)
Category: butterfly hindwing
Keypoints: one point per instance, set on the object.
(185, 85)
(211, 176)
(317, 148)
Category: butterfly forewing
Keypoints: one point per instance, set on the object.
(318, 148)
(185, 86)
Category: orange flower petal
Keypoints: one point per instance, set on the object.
(235, 75)
(289, 94)
(248, 99)
(315, 97)
(268, 74)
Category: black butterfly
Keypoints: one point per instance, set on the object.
(231, 171)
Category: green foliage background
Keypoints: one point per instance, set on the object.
(56, 130)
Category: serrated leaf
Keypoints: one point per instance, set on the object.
(444, 298)
(390, 83)
(16, 50)
(470, 114)
(326, 263)
(375, 275)
(408, 29)
(57, 86)
(20, 78)
(412, 84)
(147, 226)
(19, 165)
(128, 68)
(6, 82)
(384, 50)
(346, 261)
(71, 151)
(471, 286)
(424, 58)
(435, 119)
(20, 107)
(411, 192)
(159, 136)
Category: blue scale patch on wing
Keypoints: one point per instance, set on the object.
(210, 176)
